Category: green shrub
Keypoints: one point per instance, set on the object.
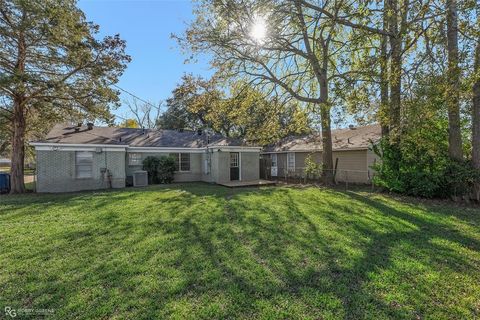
(160, 169)
(418, 162)
(413, 171)
(460, 178)
(312, 169)
(166, 169)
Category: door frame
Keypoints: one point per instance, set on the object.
(239, 165)
(276, 165)
(289, 155)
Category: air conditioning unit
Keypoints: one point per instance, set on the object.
(140, 178)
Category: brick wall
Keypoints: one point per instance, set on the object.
(56, 171)
(195, 173)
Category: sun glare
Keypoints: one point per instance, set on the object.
(258, 31)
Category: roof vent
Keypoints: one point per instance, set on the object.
(352, 127)
(90, 126)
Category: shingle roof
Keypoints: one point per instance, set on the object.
(66, 134)
(342, 139)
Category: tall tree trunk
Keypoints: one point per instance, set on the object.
(327, 154)
(476, 120)
(321, 73)
(18, 147)
(19, 123)
(453, 91)
(395, 69)
(384, 76)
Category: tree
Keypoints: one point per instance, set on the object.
(419, 164)
(237, 111)
(249, 115)
(384, 92)
(129, 123)
(311, 49)
(186, 107)
(146, 114)
(476, 111)
(53, 68)
(290, 48)
(453, 89)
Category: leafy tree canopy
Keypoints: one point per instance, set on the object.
(53, 68)
(238, 111)
(129, 123)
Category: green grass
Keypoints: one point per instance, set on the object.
(201, 251)
(30, 186)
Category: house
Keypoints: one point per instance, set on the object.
(352, 154)
(5, 163)
(73, 158)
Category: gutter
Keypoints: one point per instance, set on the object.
(125, 147)
(316, 150)
(51, 144)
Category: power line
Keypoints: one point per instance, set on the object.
(144, 101)
(134, 95)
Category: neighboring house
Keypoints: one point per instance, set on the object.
(5, 163)
(352, 154)
(87, 157)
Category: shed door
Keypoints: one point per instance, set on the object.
(234, 166)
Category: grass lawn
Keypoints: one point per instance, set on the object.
(201, 251)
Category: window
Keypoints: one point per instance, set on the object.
(290, 161)
(134, 159)
(274, 159)
(182, 161)
(84, 164)
(233, 159)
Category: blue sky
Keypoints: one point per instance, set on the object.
(157, 63)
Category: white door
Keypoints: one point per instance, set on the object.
(274, 170)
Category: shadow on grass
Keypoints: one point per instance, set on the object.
(207, 251)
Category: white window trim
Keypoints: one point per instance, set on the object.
(239, 164)
(288, 162)
(180, 161)
(130, 163)
(274, 156)
(76, 165)
(237, 160)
